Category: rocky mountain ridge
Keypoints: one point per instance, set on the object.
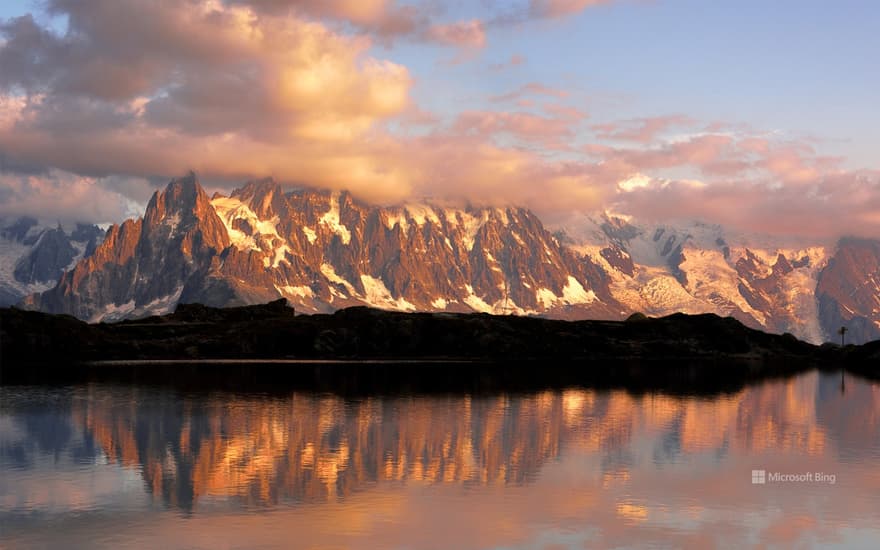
(323, 251)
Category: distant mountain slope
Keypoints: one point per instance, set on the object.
(34, 254)
(848, 290)
(779, 285)
(323, 251)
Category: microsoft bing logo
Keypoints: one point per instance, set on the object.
(759, 477)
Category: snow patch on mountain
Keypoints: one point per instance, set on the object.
(475, 302)
(574, 293)
(472, 225)
(130, 310)
(230, 209)
(421, 213)
(377, 294)
(113, 312)
(296, 291)
(330, 273)
(394, 218)
(331, 219)
(545, 297)
(279, 256)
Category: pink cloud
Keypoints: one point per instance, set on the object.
(561, 8)
(523, 125)
(385, 20)
(515, 60)
(545, 9)
(565, 112)
(832, 205)
(701, 152)
(643, 130)
(462, 34)
(751, 183)
(530, 89)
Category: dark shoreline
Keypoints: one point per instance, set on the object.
(368, 378)
(363, 350)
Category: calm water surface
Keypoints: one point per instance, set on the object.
(101, 466)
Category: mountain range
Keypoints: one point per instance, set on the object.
(324, 250)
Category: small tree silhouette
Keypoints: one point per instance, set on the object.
(842, 332)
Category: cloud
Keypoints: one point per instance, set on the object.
(384, 20)
(754, 184)
(118, 50)
(361, 12)
(463, 34)
(271, 86)
(265, 93)
(65, 197)
(844, 203)
(536, 10)
(515, 60)
(710, 154)
(565, 111)
(642, 130)
(530, 89)
(783, 162)
(561, 8)
(522, 125)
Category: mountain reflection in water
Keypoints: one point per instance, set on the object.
(556, 467)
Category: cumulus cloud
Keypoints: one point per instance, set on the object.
(233, 93)
(217, 83)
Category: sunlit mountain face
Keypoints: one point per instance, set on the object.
(323, 251)
(597, 464)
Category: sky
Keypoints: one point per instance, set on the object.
(756, 115)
